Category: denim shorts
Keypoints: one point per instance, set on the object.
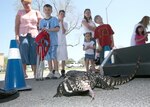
(88, 56)
(52, 53)
(27, 49)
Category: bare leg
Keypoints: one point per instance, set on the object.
(93, 65)
(63, 65)
(55, 64)
(50, 66)
(34, 69)
(51, 73)
(57, 74)
(58, 64)
(25, 73)
(87, 64)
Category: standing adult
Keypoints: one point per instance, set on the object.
(144, 22)
(26, 29)
(87, 24)
(62, 54)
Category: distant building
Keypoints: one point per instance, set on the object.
(2, 61)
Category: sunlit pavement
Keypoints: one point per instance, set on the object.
(30, 73)
(133, 94)
(136, 93)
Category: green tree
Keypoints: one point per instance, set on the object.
(5, 62)
(81, 61)
(70, 60)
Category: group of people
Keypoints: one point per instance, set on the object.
(96, 38)
(29, 23)
(140, 32)
(102, 36)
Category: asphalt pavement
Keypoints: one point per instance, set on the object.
(136, 93)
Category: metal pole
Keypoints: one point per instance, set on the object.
(107, 11)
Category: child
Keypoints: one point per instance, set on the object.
(140, 37)
(104, 35)
(51, 25)
(62, 54)
(89, 47)
(145, 21)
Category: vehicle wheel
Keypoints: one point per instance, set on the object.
(6, 96)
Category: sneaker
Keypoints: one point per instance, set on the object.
(50, 75)
(57, 74)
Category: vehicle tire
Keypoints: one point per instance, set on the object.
(6, 96)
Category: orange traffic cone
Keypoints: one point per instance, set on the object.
(14, 78)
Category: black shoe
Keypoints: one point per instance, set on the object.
(53, 71)
(54, 77)
(63, 73)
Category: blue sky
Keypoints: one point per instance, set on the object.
(122, 16)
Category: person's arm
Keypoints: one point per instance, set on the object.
(111, 35)
(17, 25)
(55, 26)
(88, 26)
(144, 38)
(93, 46)
(112, 39)
(99, 46)
(96, 36)
(84, 47)
(39, 17)
(63, 28)
(63, 24)
(56, 29)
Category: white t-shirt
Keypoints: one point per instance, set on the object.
(61, 36)
(89, 51)
(85, 29)
(62, 53)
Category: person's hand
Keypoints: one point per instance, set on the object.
(88, 47)
(46, 30)
(61, 20)
(17, 39)
(112, 45)
(99, 48)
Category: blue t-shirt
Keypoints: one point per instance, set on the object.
(52, 22)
